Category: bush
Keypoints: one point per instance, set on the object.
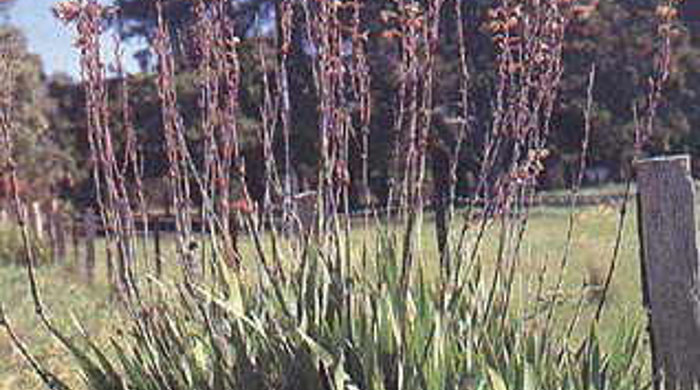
(318, 327)
(12, 248)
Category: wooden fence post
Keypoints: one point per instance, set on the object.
(37, 221)
(670, 269)
(75, 239)
(156, 238)
(90, 221)
(60, 229)
(52, 230)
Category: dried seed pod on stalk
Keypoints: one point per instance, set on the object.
(219, 84)
(180, 164)
(668, 27)
(110, 182)
(528, 37)
(330, 75)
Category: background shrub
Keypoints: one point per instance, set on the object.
(12, 250)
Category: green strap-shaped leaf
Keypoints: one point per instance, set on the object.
(497, 382)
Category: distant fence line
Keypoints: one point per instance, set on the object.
(565, 200)
(53, 224)
(71, 236)
(166, 221)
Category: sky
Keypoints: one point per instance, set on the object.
(51, 39)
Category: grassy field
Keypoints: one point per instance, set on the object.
(544, 244)
(69, 298)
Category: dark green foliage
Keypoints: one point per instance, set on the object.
(619, 37)
(12, 249)
(39, 156)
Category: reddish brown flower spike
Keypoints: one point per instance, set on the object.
(390, 34)
(242, 205)
(66, 11)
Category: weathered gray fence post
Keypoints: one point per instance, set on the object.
(75, 239)
(60, 229)
(52, 229)
(37, 221)
(670, 269)
(90, 221)
(156, 238)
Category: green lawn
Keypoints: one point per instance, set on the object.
(68, 297)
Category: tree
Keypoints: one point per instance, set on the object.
(40, 160)
(620, 38)
(138, 20)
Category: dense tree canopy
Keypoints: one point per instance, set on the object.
(36, 150)
(619, 38)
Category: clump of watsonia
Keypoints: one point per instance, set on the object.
(330, 310)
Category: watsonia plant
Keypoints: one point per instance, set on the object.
(311, 307)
